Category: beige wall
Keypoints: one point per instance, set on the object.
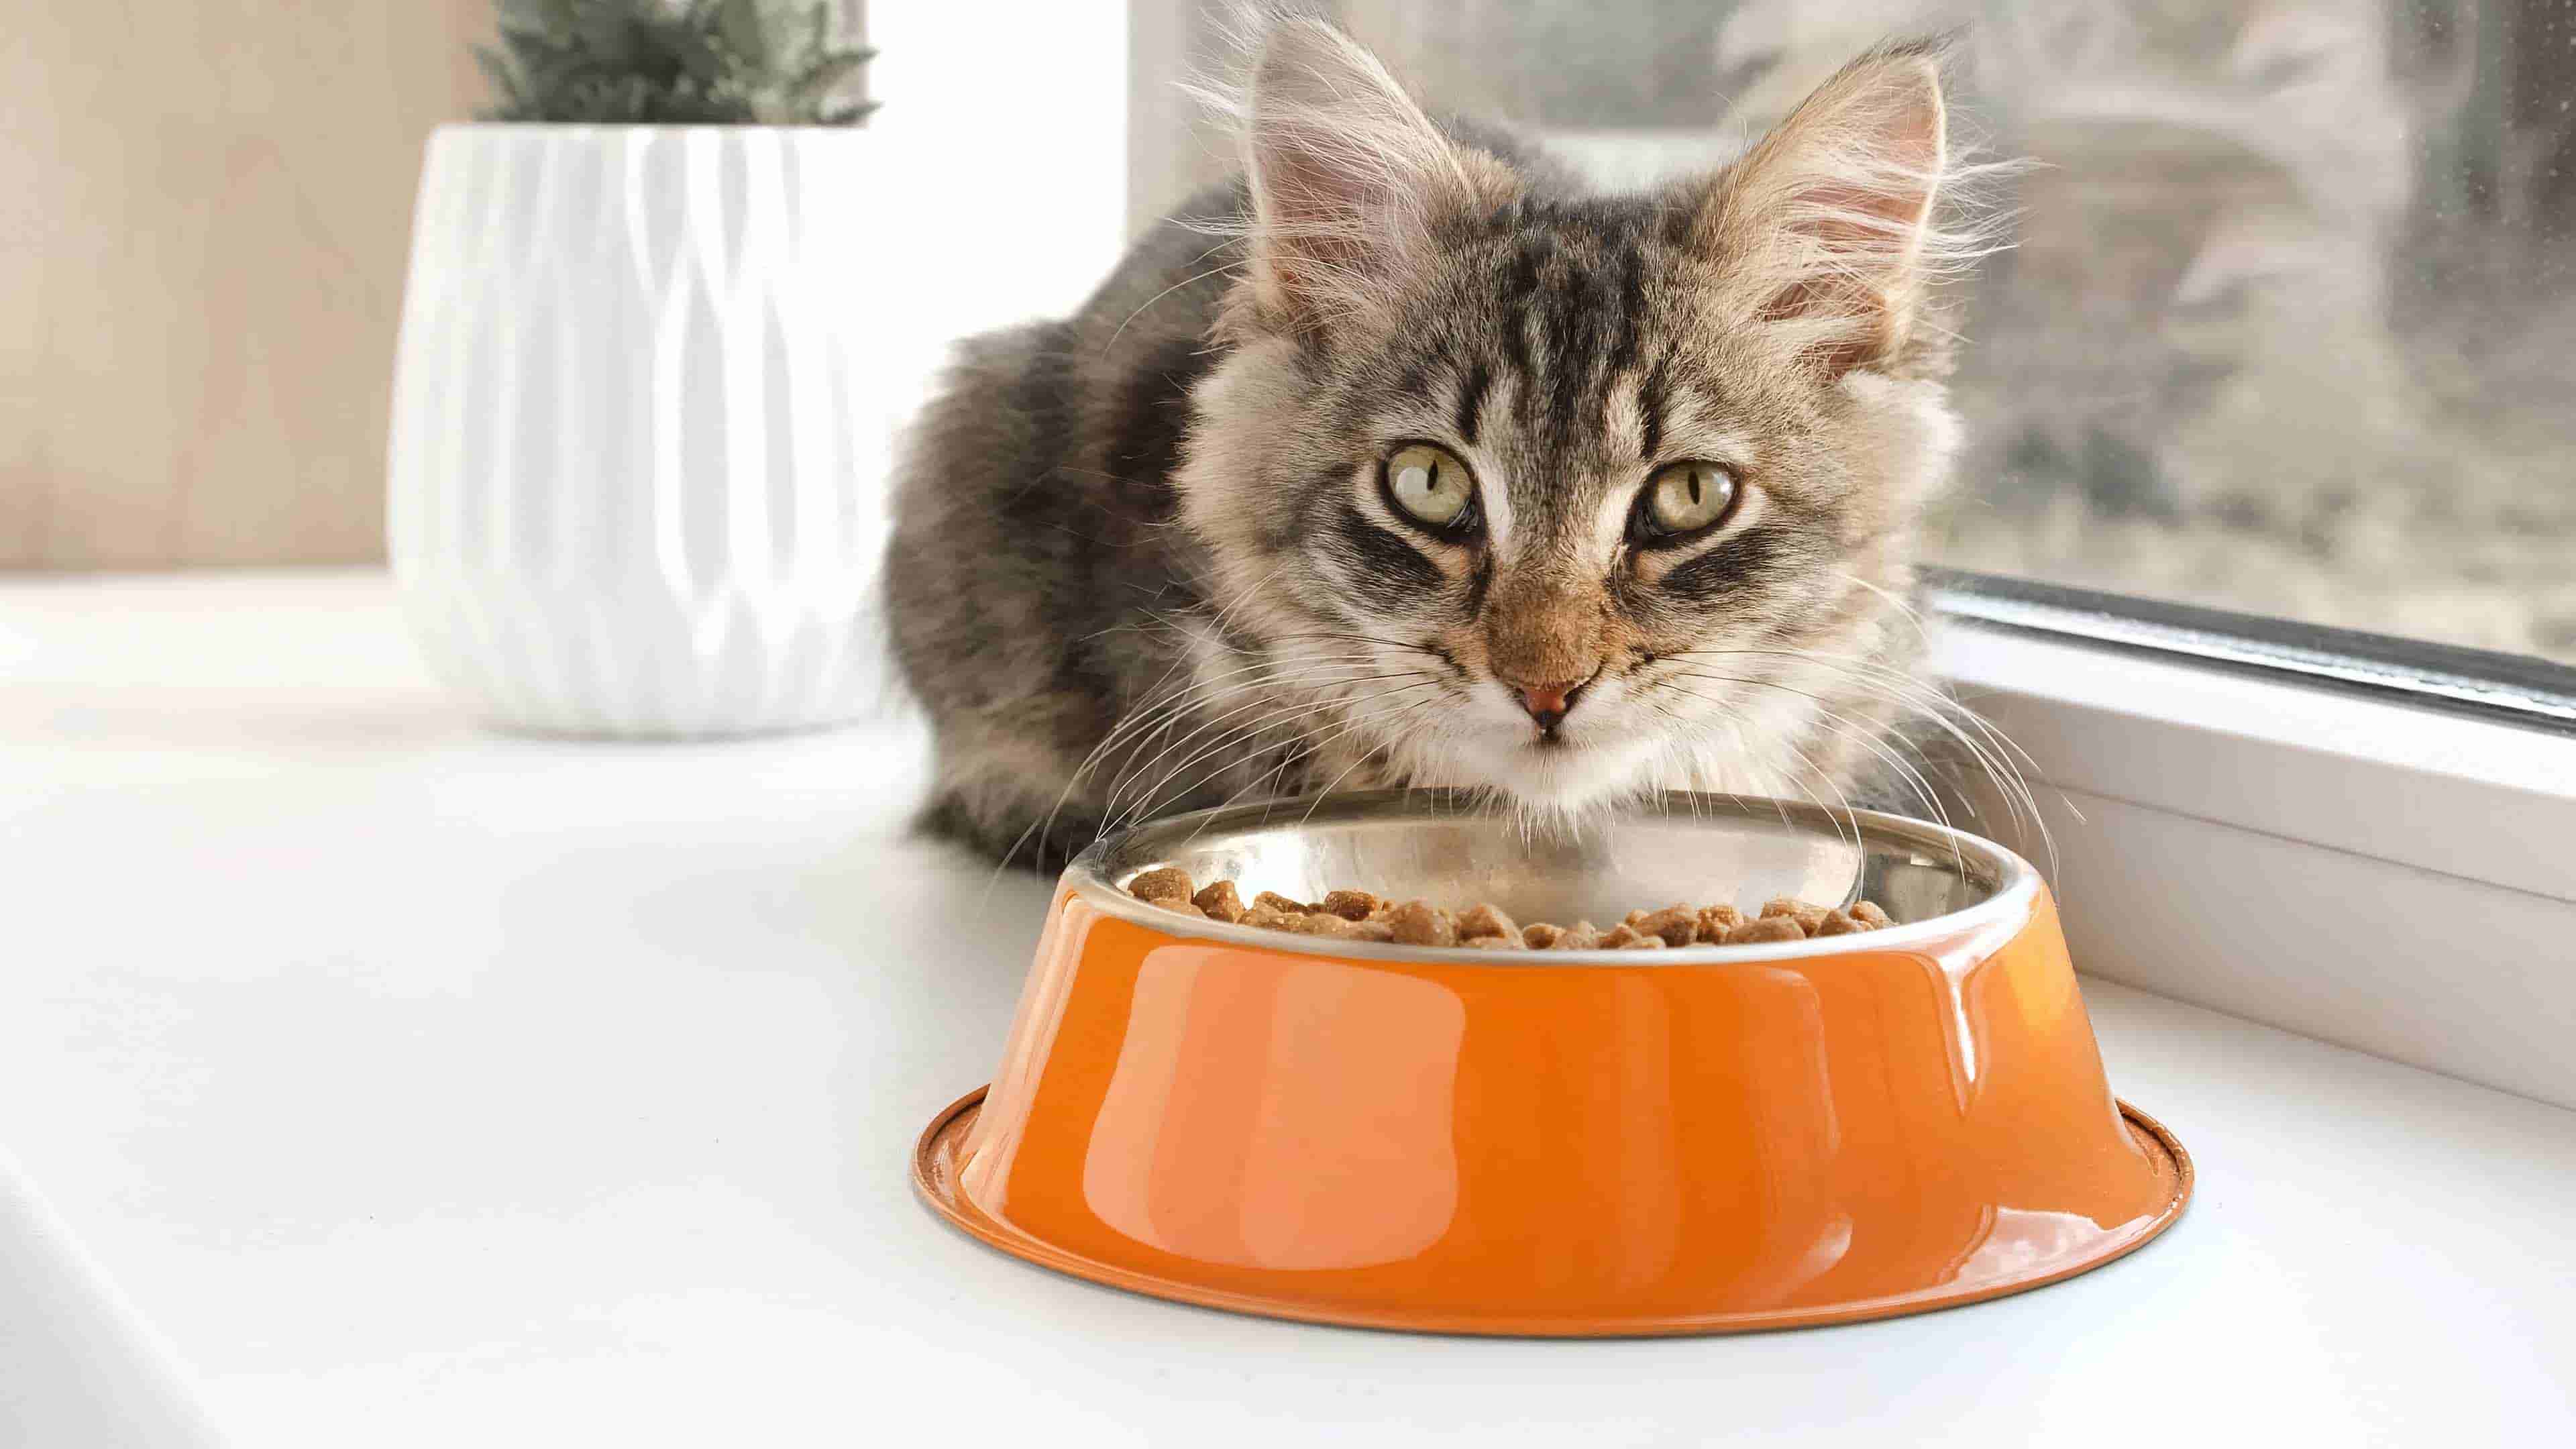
(204, 210)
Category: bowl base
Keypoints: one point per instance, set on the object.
(935, 1161)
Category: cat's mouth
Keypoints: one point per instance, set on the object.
(1574, 760)
(1557, 769)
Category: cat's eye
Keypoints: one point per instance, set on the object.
(1430, 486)
(1685, 498)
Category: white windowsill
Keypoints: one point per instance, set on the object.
(424, 1086)
(2387, 877)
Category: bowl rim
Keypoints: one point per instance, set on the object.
(2011, 903)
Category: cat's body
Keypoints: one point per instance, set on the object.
(1359, 472)
(1034, 551)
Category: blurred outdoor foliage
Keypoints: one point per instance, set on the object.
(2290, 325)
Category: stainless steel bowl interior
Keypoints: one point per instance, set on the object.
(1700, 849)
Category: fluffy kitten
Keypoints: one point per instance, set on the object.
(1402, 461)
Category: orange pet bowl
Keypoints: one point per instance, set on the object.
(1603, 1142)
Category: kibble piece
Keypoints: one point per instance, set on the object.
(1219, 901)
(1359, 915)
(1581, 936)
(1420, 923)
(1673, 925)
(1351, 905)
(1767, 928)
(1716, 921)
(1808, 917)
(1167, 883)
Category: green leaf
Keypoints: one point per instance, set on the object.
(738, 23)
(825, 76)
(670, 61)
(606, 34)
(555, 16)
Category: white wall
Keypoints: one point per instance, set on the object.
(204, 210)
(1005, 132)
(204, 214)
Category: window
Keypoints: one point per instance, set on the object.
(2266, 548)
(2290, 327)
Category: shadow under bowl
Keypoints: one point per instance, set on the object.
(1699, 1140)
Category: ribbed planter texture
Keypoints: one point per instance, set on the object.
(637, 468)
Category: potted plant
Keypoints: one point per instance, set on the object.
(634, 484)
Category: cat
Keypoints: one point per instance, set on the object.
(1401, 460)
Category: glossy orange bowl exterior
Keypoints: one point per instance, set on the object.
(1617, 1143)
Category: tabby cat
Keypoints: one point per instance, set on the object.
(1404, 461)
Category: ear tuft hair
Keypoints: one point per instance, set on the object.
(1836, 224)
(1347, 178)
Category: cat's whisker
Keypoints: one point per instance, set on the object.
(1149, 718)
(1826, 776)
(1167, 291)
(1308, 749)
(1140, 772)
(1871, 739)
(1868, 740)
(1897, 679)
(1368, 638)
(1893, 600)
(1933, 698)
(1994, 756)
(1272, 718)
(1356, 762)
(1142, 806)
(1155, 716)
(1324, 672)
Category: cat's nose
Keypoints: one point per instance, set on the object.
(1549, 704)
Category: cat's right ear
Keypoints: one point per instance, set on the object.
(1348, 180)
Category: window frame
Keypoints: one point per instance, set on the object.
(2509, 688)
(2322, 842)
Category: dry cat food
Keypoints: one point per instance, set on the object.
(1360, 916)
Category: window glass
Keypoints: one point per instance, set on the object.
(2290, 325)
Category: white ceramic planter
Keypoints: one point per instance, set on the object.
(637, 470)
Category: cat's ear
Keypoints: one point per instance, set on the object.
(1348, 178)
(1829, 229)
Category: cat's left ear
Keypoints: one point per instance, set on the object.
(1828, 229)
(1348, 178)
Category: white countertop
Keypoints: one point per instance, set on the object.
(424, 1086)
